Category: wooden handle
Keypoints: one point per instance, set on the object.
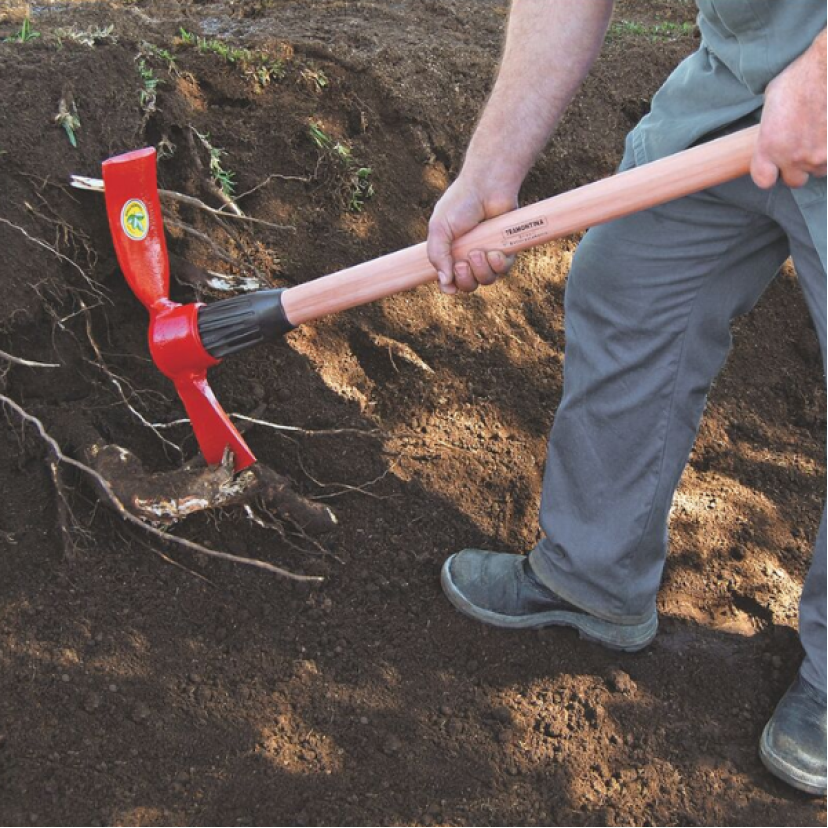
(620, 195)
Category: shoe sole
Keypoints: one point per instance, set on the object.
(806, 782)
(626, 638)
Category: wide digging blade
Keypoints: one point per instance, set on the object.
(136, 224)
(211, 425)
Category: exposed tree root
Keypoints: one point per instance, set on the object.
(111, 497)
(165, 498)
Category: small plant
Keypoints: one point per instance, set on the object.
(25, 34)
(354, 179)
(149, 90)
(224, 179)
(361, 189)
(269, 71)
(150, 50)
(67, 118)
(87, 37)
(315, 78)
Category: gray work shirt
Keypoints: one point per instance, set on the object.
(744, 45)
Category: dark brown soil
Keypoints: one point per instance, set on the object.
(134, 693)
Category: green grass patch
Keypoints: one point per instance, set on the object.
(259, 65)
(654, 31)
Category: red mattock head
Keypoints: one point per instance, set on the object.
(137, 227)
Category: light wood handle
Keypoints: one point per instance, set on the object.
(619, 195)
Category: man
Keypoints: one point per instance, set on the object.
(649, 302)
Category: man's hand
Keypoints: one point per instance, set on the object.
(550, 45)
(462, 207)
(792, 135)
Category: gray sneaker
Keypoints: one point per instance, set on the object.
(792, 746)
(502, 590)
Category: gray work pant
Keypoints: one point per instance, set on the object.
(649, 303)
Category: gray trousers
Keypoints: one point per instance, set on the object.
(649, 303)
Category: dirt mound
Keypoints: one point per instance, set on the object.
(134, 692)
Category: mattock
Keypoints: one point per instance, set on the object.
(134, 212)
(186, 340)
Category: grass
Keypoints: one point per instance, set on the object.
(655, 31)
(25, 34)
(259, 65)
(355, 179)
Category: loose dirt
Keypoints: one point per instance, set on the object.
(133, 692)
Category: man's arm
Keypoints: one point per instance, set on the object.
(792, 136)
(550, 47)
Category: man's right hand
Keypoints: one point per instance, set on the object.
(462, 207)
(550, 46)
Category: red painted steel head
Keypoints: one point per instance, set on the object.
(134, 212)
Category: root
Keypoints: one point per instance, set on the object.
(94, 287)
(346, 488)
(166, 498)
(207, 180)
(96, 185)
(57, 457)
(218, 252)
(28, 363)
(118, 383)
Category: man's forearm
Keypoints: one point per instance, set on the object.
(550, 47)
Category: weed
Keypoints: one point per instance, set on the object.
(25, 34)
(361, 189)
(258, 65)
(150, 50)
(224, 179)
(67, 118)
(87, 37)
(315, 78)
(149, 89)
(354, 179)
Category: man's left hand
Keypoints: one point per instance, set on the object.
(792, 135)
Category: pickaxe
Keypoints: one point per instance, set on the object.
(186, 340)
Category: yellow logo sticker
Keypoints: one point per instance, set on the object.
(135, 219)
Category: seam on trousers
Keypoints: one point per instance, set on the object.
(634, 552)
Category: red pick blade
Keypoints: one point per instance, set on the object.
(211, 425)
(134, 212)
(136, 224)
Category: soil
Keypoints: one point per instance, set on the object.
(133, 692)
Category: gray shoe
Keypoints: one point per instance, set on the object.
(502, 590)
(793, 742)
